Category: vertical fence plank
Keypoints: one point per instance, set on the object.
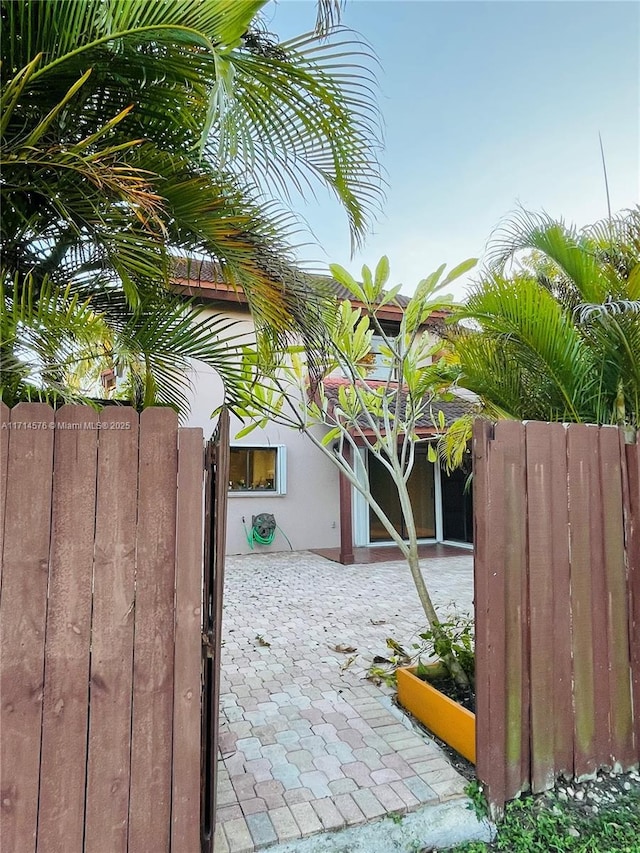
(549, 611)
(615, 602)
(631, 484)
(217, 458)
(559, 555)
(489, 615)
(22, 620)
(151, 735)
(208, 758)
(222, 460)
(185, 808)
(590, 684)
(580, 499)
(5, 428)
(66, 685)
(602, 745)
(109, 754)
(510, 438)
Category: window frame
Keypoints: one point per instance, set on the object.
(280, 472)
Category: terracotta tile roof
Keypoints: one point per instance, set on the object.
(196, 270)
(208, 272)
(452, 409)
(341, 292)
(205, 278)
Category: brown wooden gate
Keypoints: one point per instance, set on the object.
(215, 526)
(557, 597)
(101, 663)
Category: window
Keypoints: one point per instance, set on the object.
(380, 368)
(258, 469)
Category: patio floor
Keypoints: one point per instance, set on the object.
(308, 744)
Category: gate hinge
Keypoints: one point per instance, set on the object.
(208, 643)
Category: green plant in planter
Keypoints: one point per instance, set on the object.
(454, 640)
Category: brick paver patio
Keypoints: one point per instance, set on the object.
(308, 744)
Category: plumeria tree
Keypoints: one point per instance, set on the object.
(382, 416)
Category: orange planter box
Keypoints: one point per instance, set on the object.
(445, 718)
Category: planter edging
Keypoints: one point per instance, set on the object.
(447, 719)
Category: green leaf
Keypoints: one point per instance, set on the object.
(382, 273)
(343, 277)
(461, 269)
(332, 435)
(390, 295)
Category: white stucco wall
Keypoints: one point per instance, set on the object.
(309, 513)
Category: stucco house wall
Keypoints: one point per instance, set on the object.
(309, 513)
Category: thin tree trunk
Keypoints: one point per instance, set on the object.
(449, 660)
(452, 665)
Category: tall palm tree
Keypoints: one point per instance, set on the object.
(555, 325)
(134, 130)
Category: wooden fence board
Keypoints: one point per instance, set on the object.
(549, 613)
(557, 572)
(222, 461)
(631, 484)
(185, 810)
(68, 633)
(22, 620)
(580, 454)
(151, 747)
(558, 552)
(615, 602)
(601, 752)
(100, 605)
(217, 460)
(510, 436)
(489, 614)
(109, 754)
(5, 428)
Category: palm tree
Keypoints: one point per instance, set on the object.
(554, 334)
(133, 131)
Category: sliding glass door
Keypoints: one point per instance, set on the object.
(422, 493)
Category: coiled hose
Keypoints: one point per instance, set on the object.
(255, 537)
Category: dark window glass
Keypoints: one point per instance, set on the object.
(253, 469)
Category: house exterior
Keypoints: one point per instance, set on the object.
(277, 471)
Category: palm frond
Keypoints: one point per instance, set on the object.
(160, 343)
(303, 113)
(559, 339)
(106, 108)
(453, 444)
(328, 15)
(561, 244)
(42, 328)
(302, 116)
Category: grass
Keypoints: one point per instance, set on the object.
(546, 825)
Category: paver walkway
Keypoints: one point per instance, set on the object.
(308, 744)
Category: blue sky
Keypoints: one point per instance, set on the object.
(487, 106)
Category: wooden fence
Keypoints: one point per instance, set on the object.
(100, 615)
(557, 593)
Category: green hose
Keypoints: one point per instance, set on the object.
(254, 537)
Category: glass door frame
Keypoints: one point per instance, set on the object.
(360, 509)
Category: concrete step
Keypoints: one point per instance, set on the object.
(429, 828)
